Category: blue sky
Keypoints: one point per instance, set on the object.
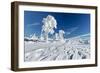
(74, 24)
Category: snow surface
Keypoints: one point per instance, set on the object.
(72, 49)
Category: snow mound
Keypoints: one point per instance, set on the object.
(75, 48)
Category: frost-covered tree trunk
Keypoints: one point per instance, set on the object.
(61, 35)
(56, 36)
(46, 37)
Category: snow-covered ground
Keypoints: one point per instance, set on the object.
(72, 49)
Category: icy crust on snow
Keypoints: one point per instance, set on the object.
(71, 49)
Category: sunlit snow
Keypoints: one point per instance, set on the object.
(74, 48)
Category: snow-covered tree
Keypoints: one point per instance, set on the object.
(49, 23)
(34, 37)
(61, 35)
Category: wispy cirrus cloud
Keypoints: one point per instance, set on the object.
(34, 24)
(70, 30)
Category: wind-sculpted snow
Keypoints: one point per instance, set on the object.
(71, 49)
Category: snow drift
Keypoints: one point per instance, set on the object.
(75, 48)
